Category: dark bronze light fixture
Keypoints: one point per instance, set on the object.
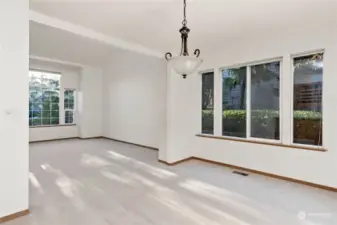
(184, 64)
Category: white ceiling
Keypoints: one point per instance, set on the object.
(56, 44)
(155, 23)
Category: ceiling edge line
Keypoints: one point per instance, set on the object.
(88, 33)
(52, 60)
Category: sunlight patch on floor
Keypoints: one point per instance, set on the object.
(223, 215)
(68, 187)
(221, 195)
(118, 178)
(168, 198)
(93, 161)
(34, 181)
(158, 172)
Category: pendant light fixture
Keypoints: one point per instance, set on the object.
(184, 64)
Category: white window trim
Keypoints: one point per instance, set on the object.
(71, 110)
(248, 102)
(293, 56)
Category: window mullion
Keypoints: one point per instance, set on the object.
(217, 102)
(286, 100)
(248, 102)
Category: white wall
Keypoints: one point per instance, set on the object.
(134, 99)
(90, 103)
(70, 78)
(185, 110)
(14, 152)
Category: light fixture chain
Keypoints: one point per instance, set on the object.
(184, 21)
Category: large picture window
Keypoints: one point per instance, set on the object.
(258, 85)
(307, 98)
(207, 105)
(44, 98)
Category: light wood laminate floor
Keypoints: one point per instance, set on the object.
(102, 182)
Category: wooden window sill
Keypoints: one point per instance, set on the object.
(309, 148)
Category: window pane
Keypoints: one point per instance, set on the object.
(234, 102)
(46, 114)
(69, 117)
(37, 113)
(69, 99)
(55, 106)
(54, 120)
(55, 114)
(307, 114)
(46, 121)
(265, 101)
(207, 102)
(36, 122)
(71, 104)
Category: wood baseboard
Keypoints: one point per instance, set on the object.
(176, 162)
(56, 139)
(14, 216)
(126, 142)
(255, 172)
(61, 139)
(98, 137)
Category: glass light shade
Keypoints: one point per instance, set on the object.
(185, 65)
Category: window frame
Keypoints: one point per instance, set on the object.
(286, 109)
(292, 77)
(60, 90)
(70, 110)
(248, 66)
(201, 72)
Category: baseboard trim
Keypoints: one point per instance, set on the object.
(55, 139)
(14, 216)
(97, 137)
(126, 142)
(61, 139)
(176, 162)
(327, 188)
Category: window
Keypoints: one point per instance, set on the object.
(262, 116)
(234, 102)
(207, 106)
(265, 101)
(69, 106)
(251, 102)
(307, 99)
(44, 98)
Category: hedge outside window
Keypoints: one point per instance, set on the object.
(44, 92)
(234, 102)
(307, 99)
(207, 104)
